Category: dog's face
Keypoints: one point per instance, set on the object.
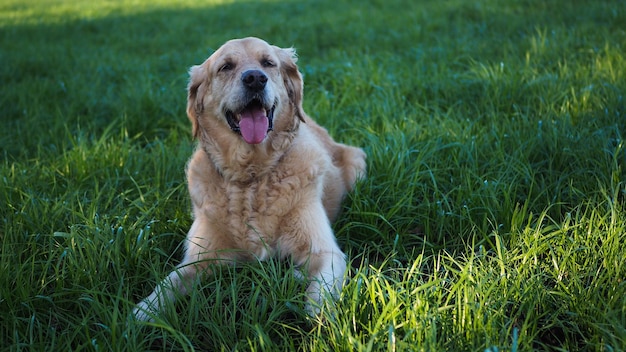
(247, 88)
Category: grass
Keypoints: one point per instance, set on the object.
(493, 218)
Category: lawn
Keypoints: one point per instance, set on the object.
(493, 217)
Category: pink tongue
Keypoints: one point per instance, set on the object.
(253, 125)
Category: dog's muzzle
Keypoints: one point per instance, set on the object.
(253, 117)
(256, 119)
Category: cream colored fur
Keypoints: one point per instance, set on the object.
(254, 201)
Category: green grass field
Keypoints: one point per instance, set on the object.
(493, 217)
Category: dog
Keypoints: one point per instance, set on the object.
(265, 179)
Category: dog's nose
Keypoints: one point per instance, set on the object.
(254, 80)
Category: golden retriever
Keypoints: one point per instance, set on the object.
(265, 179)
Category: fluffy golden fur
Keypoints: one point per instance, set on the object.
(265, 179)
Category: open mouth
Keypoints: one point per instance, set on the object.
(253, 122)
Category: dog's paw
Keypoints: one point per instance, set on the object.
(143, 312)
(355, 166)
(360, 165)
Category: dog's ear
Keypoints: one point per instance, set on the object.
(292, 78)
(195, 96)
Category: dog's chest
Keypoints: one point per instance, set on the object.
(251, 214)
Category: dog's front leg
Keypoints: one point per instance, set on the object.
(322, 259)
(177, 282)
(326, 270)
(199, 253)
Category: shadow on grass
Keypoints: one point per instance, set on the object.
(132, 68)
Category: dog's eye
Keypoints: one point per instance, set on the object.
(226, 67)
(267, 63)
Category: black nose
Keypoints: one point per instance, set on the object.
(254, 80)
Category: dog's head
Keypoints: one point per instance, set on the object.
(248, 87)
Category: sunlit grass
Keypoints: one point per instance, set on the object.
(492, 218)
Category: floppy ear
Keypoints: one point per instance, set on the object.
(292, 78)
(195, 96)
